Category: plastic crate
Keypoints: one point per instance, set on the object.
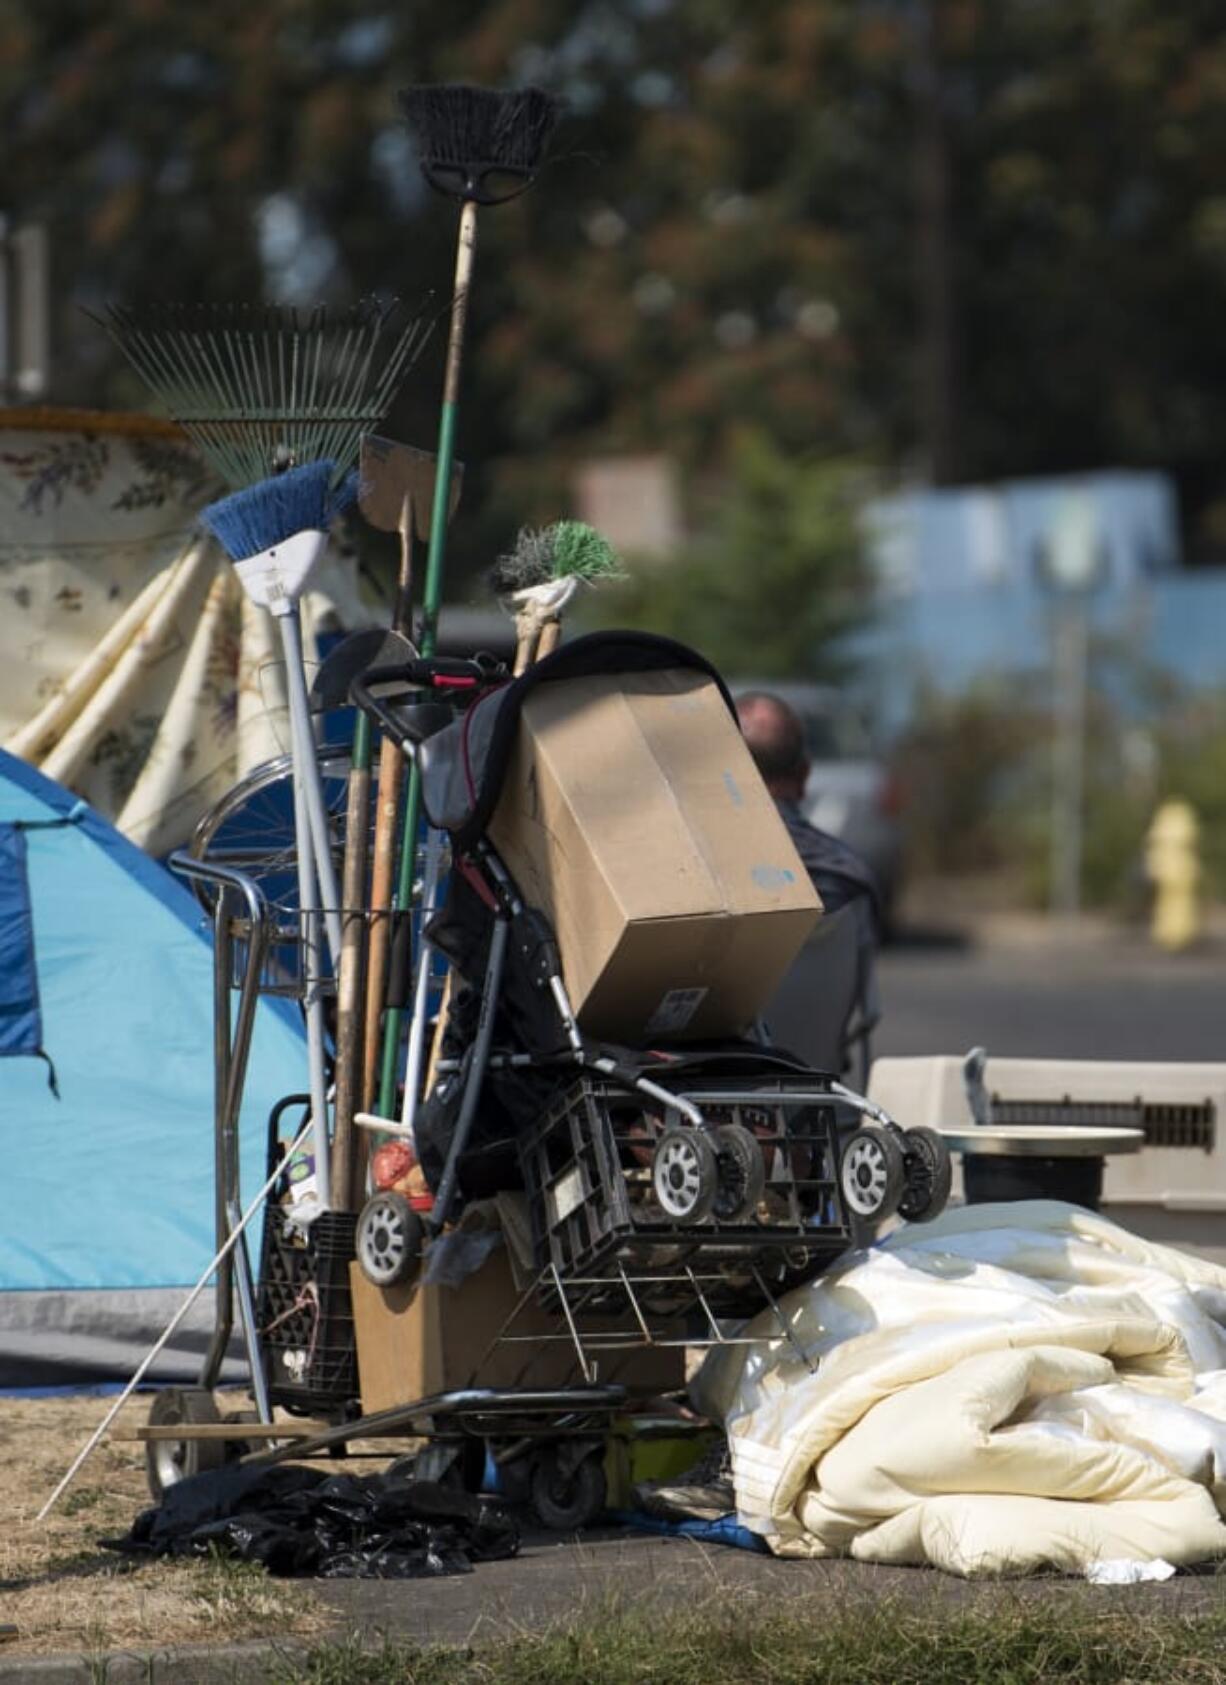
(304, 1311)
(587, 1175)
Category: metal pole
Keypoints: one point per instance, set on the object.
(1070, 664)
(214, 1263)
(223, 1313)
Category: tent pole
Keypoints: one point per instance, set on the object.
(214, 1263)
(223, 1315)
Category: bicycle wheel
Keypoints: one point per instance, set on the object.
(252, 828)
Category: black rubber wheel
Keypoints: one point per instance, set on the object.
(237, 1449)
(563, 1501)
(388, 1240)
(929, 1174)
(872, 1174)
(683, 1174)
(168, 1461)
(740, 1173)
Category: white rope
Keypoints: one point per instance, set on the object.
(174, 1322)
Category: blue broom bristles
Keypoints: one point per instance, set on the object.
(299, 500)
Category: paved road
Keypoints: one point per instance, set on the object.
(1101, 998)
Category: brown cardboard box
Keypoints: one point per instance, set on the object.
(633, 816)
(415, 1341)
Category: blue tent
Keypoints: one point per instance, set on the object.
(106, 1094)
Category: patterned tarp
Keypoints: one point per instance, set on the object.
(132, 669)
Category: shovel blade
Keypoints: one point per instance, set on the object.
(391, 471)
(349, 659)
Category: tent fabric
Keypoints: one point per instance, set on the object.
(134, 670)
(106, 1198)
(1008, 1388)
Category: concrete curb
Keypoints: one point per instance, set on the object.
(185, 1664)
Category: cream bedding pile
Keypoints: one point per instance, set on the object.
(1007, 1388)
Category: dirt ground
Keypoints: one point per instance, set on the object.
(67, 1595)
(64, 1593)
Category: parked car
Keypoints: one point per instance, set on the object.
(850, 792)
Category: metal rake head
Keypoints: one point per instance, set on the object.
(260, 388)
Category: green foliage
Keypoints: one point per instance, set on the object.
(728, 235)
(978, 772)
(966, 764)
(778, 576)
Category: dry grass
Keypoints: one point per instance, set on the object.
(64, 1593)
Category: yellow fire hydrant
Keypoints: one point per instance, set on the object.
(1172, 864)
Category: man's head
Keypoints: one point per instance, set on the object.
(776, 740)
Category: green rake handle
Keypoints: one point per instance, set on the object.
(431, 600)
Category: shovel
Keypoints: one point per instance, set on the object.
(396, 495)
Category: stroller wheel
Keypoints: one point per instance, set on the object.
(872, 1174)
(388, 1240)
(740, 1173)
(683, 1174)
(565, 1498)
(167, 1461)
(929, 1172)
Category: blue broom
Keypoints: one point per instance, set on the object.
(274, 533)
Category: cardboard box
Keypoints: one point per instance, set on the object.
(415, 1341)
(633, 816)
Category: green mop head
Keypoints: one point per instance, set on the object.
(565, 550)
(581, 552)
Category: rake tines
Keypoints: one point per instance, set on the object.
(264, 387)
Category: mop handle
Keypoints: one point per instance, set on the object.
(174, 1322)
(306, 768)
(312, 1002)
(466, 247)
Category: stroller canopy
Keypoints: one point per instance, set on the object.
(464, 765)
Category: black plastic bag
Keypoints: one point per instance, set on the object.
(297, 1521)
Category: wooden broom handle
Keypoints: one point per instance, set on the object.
(384, 858)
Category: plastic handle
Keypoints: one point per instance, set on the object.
(444, 674)
(379, 708)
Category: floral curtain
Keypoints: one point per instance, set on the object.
(132, 668)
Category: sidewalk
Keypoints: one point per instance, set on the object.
(565, 1582)
(946, 913)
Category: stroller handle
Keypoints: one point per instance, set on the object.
(406, 717)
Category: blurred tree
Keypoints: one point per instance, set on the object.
(967, 238)
(776, 577)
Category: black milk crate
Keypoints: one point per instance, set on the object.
(304, 1311)
(587, 1173)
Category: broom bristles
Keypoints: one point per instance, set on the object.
(467, 128)
(567, 549)
(300, 500)
(529, 563)
(581, 551)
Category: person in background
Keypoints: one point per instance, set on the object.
(775, 738)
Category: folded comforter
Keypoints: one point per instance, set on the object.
(1007, 1388)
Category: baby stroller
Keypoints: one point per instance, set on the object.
(674, 1184)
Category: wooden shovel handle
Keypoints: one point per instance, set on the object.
(383, 879)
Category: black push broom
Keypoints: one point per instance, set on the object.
(480, 147)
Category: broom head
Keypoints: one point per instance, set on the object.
(478, 143)
(274, 532)
(300, 500)
(565, 550)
